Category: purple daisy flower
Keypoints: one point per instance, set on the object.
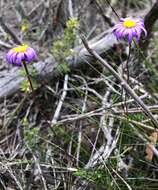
(21, 53)
(129, 28)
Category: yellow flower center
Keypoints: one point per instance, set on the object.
(129, 23)
(22, 48)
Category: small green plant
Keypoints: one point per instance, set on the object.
(137, 117)
(25, 26)
(31, 137)
(100, 177)
(25, 86)
(63, 48)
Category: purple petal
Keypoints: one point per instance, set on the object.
(9, 55)
(140, 24)
(117, 26)
(119, 33)
(134, 32)
(19, 58)
(138, 31)
(30, 55)
(13, 58)
(34, 53)
(10, 52)
(125, 33)
(130, 37)
(144, 30)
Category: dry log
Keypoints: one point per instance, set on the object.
(11, 80)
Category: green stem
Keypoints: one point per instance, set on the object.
(28, 76)
(128, 63)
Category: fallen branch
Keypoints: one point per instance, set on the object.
(11, 80)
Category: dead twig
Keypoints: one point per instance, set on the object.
(10, 32)
(58, 109)
(124, 84)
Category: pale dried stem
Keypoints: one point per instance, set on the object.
(62, 98)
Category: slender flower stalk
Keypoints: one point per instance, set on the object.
(127, 62)
(21, 56)
(28, 75)
(128, 74)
